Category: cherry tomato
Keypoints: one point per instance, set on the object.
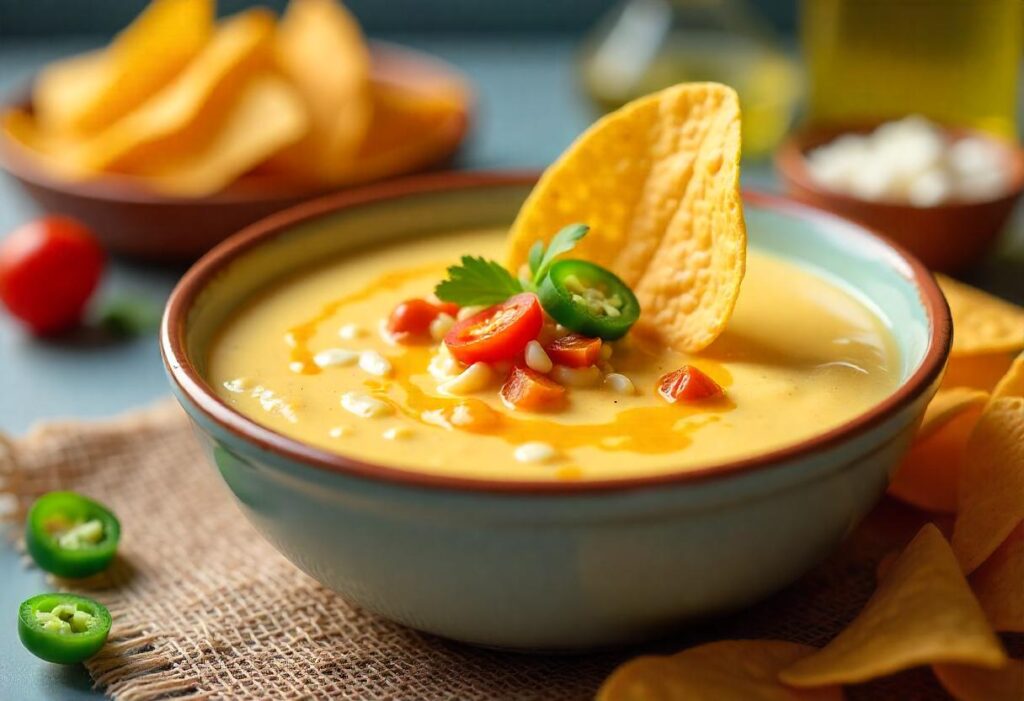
(49, 269)
(497, 333)
(574, 350)
(687, 384)
(412, 318)
(527, 389)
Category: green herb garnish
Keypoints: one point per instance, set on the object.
(479, 281)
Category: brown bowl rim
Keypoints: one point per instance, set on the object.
(790, 161)
(184, 375)
(249, 188)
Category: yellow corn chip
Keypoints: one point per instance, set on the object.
(87, 93)
(729, 670)
(980, 371)
(1012, 383)
(658, 183)
(973, 684)
(989, 502)
(982, 323)
(321, 50)
(923, 612)
(268, 116)
(999, 584)
(188, 109)
(929, 474)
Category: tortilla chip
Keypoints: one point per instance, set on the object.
(268, 116)
(928, 475)
(972, 684)
(1012, 383)
(321, 50)
(187, 110)
(658, 183)
(989, 504)
(729, 670)
(982, 323)
(999, 584)
(923, 612)
(87, 93)
(980, 371)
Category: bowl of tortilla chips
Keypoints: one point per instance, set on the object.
(185, 129)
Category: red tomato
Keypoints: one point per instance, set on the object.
(574, 350)
(687, 384)
(526, 389)
(49, 269)
(412, 318)
(497, 333)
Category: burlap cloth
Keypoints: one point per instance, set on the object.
(204, 608)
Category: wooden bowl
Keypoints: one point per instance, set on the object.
(946, 237)
(133, 221)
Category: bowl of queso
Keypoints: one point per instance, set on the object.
(567, 498)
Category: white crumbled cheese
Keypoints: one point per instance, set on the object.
(350, 332)
(385, 335)
(576, 377)
(374, 363)
(473, 379)
(365, 406)
(289, 340)
(442, 365)
(619, 383)
(339, 431)
(466, 312)
(441, 325)
(535, 452)
(335, 357)
(397, 433)
(239, 385)
(912, 160)
(274, 404)
(296, 366)
(536, 358)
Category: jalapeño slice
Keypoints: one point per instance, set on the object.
(71, 536)
(63, 628)
(588, 299)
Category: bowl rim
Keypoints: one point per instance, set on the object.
(115, 189)
(192, 387)
(790, 161)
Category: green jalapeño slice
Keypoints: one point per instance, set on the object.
(63, 628)
(588, 299)
(71, 536)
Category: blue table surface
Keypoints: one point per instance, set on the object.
(530, 107)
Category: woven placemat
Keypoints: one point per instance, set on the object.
(205, 608)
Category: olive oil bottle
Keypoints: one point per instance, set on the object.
(955, 61)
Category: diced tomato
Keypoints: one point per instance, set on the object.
(574, 350)
(497, 333)
(48, 271)
(687, 384)
(527, 389)
(412, 318)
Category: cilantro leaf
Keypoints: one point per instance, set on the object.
(562, 242)
(477, 281)
(535, 257)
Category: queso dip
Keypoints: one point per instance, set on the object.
(312, 359)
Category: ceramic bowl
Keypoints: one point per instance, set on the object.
(550, 565)
(133, 221)
(947, 237)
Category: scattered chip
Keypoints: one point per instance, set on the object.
(267, 116)
(1012, 383)
(999, 584)
(729, 670)
(989, 503)
(982, 323)
(928, 475)
(190, 107)
(658, 183)
(979, 371)
(321, 50)
(923, 612)
(973, 684)
(84, 94)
